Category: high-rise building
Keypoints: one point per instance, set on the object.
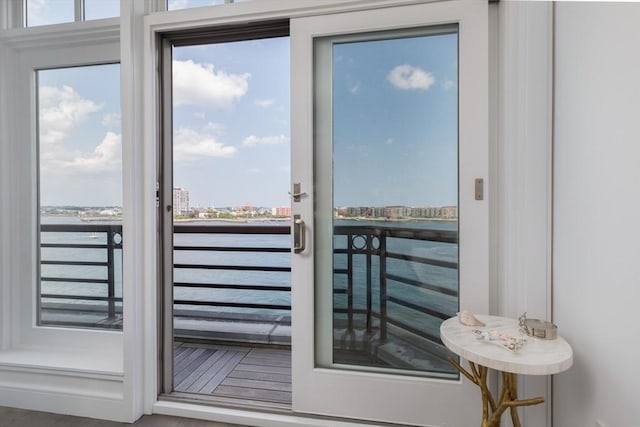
(180, 201)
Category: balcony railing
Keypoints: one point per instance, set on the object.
(240, 273)
(376, 243)
(80, 278)
(232, 282)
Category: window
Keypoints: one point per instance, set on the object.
(47, 12)
(80, 196)
(65, 104)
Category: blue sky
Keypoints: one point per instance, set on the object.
(44, 12)
(395, 122)
(79, 144)
(395, 125)
(231, 122)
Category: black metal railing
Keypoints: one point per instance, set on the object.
(238, 248)
(371, 269)
(94, 248)
(373, 244)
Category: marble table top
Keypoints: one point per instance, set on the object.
(535, 357)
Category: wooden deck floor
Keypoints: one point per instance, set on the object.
(233, 374)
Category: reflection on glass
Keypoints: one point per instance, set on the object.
(80, 197)
(99, 9)
(49, 12)
(395, 198)
(186, 4)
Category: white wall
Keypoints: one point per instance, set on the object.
(597, 212)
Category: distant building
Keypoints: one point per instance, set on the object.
(281, 211)
(180, 201)
(449, 212)
(244, 210)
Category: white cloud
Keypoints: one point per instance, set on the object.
(61, 109)
(264, 103)
(199, 115)
(448, 84)
(106, 157)
(409, 77)
(389, 141)
(190, 145)
(354, 89)
(111, 120)
(252, 140)
(201, 84)
(213, 127)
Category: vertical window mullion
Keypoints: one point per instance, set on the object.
(79, 10)
(16, 15)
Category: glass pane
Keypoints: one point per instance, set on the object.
(98, 9)
(80, 197)
(395, 197)
(231, 209)
(45, 12)
(185, 4)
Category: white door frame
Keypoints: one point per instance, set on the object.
(336, 392)
(519, 38)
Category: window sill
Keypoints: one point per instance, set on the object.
(76, 362)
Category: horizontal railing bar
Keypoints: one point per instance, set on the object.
(416, 307)
(80, 297)
(433, 338)
(340, 270)
(443, 236)
(74, 245)
(78, 263)
(232, 229)
(230, 267)
(232, 286)
(340, 291)
(363, 251)
(230, 249)
(423, 260)
(232, 304)
(355, 311)
(96, 325)
(74, 306)
(73, 280)
(422, 285)
(81, 228)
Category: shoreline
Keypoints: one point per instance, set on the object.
(288, 219)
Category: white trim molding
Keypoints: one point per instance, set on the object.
(524, 174)
(62, 370)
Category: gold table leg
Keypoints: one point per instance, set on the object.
(492, 411)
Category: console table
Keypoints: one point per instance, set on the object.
(536, 357)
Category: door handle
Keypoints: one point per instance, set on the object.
(298, 234)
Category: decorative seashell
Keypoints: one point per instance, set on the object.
(467, 318)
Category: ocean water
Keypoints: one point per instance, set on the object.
(414, 272)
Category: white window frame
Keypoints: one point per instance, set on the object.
(23, 340)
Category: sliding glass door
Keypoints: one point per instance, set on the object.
(390, 143)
